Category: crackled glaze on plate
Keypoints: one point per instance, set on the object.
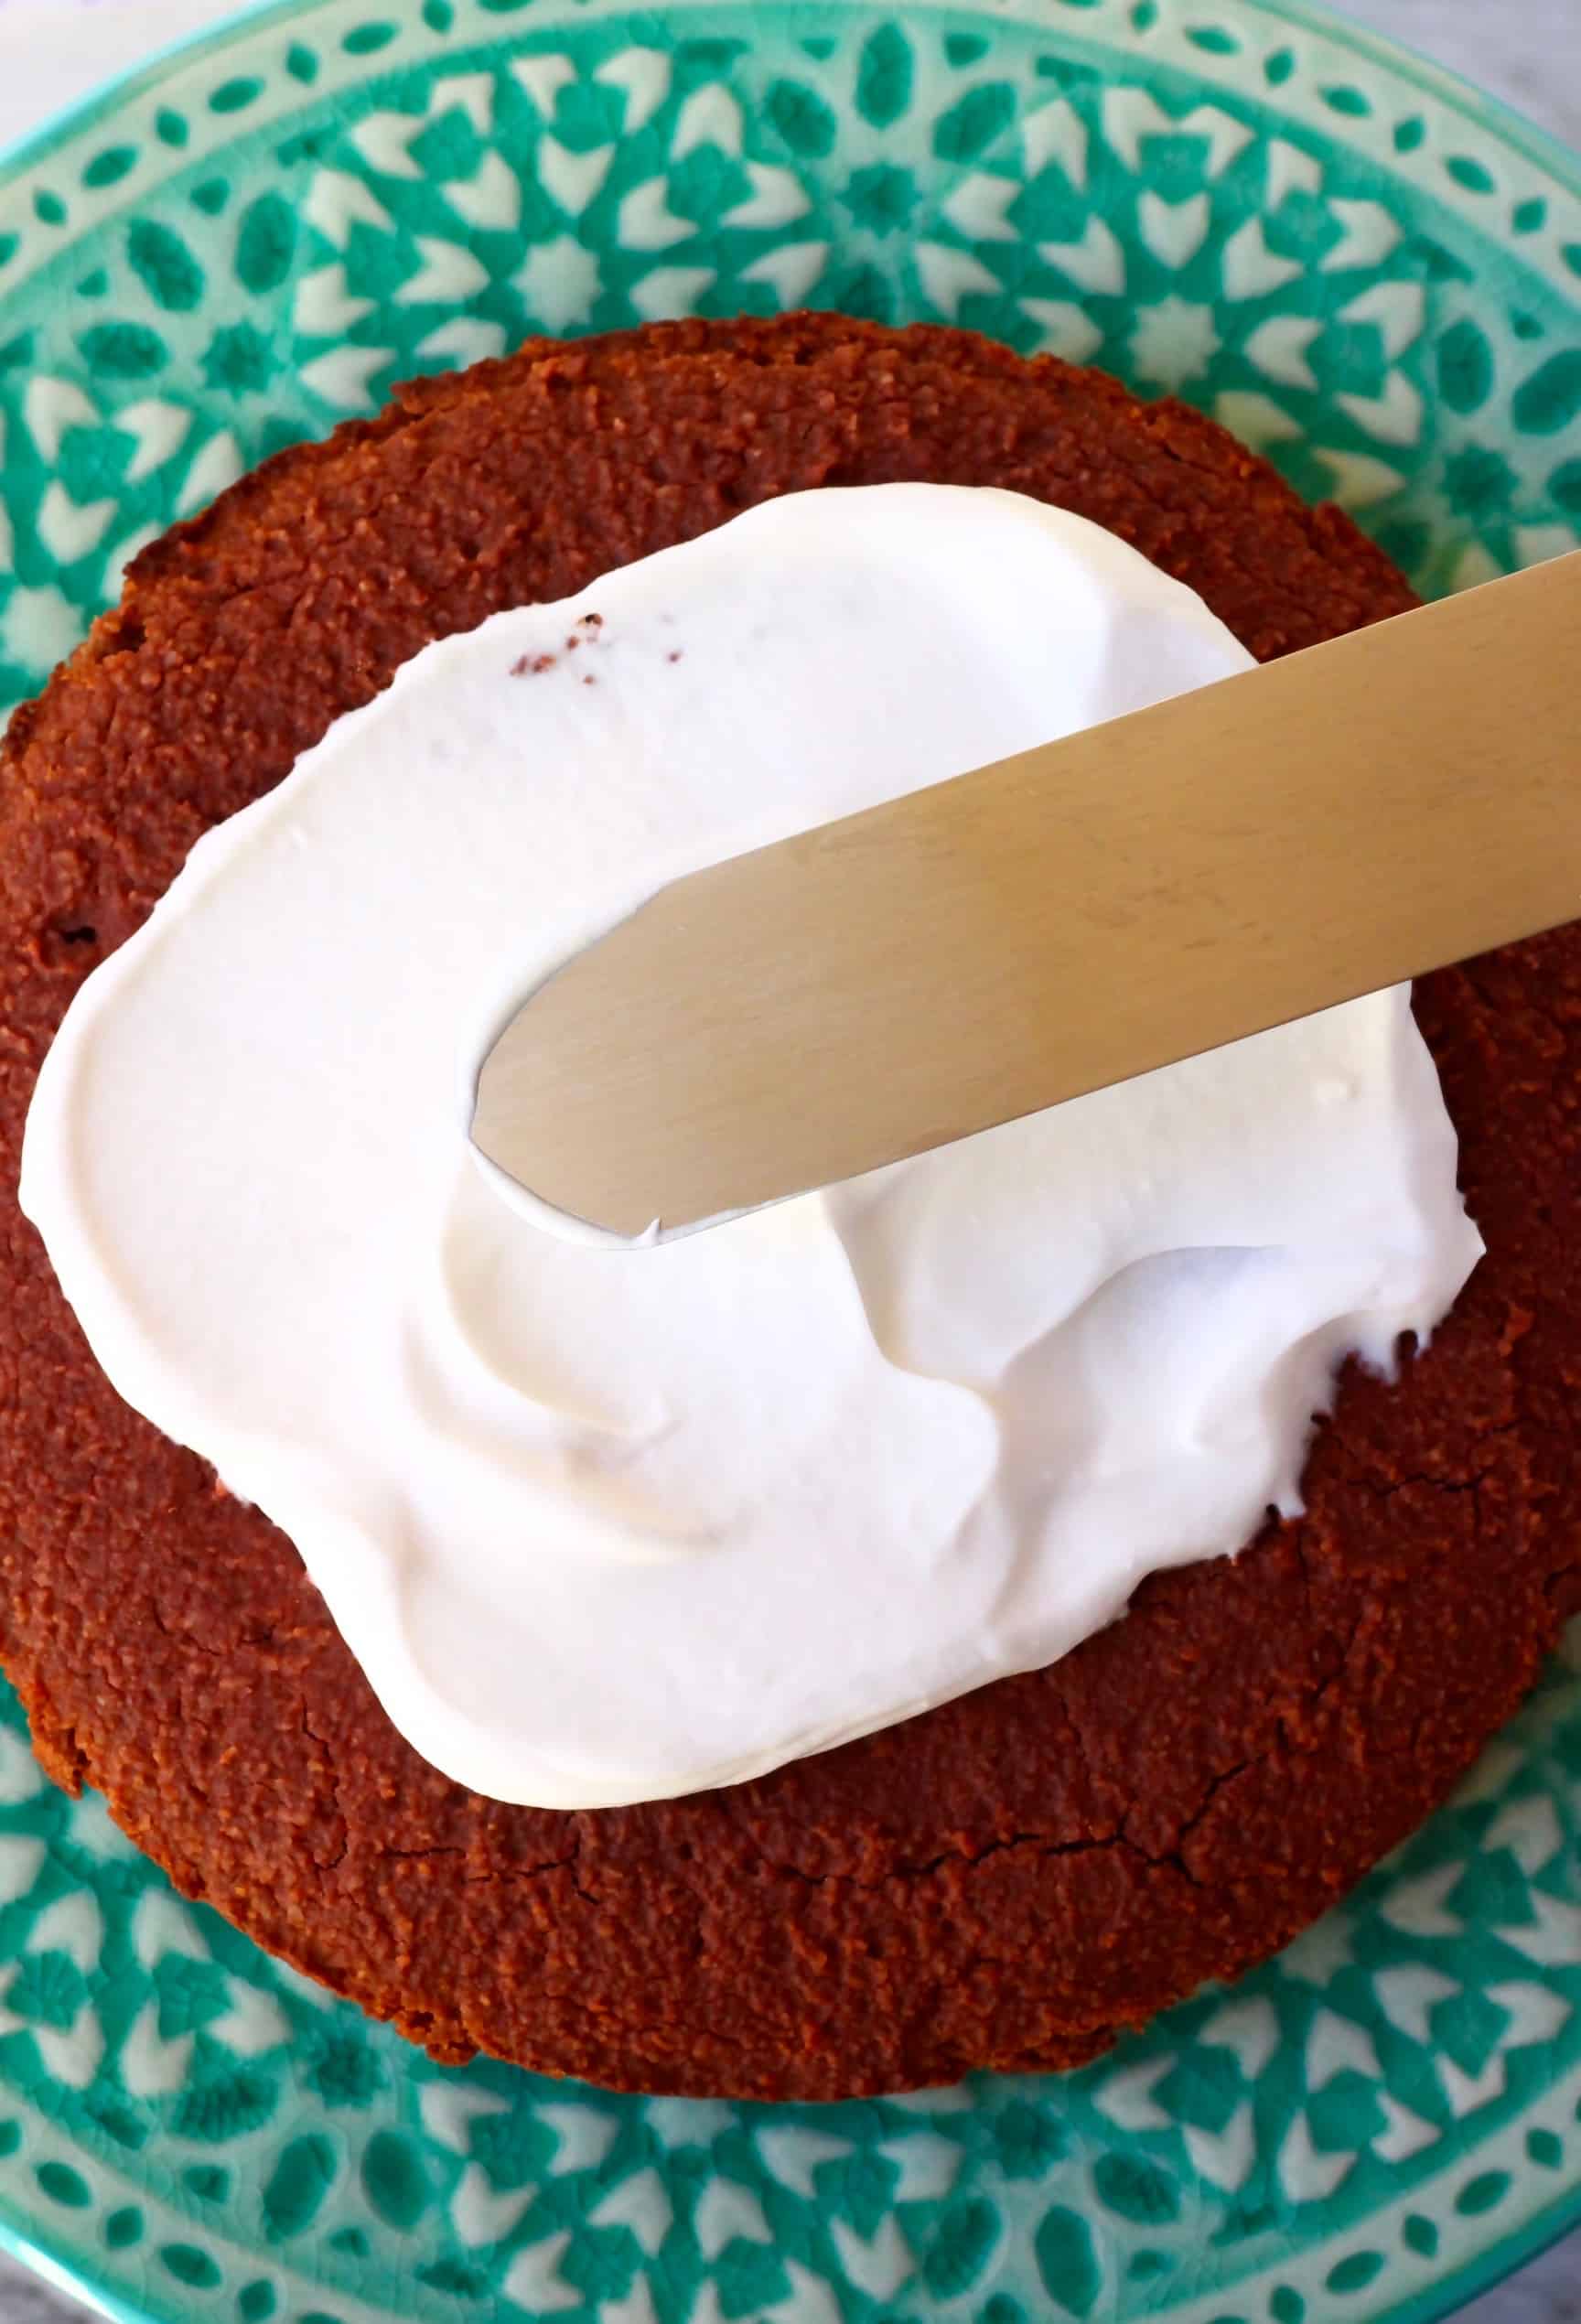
(1362, 272)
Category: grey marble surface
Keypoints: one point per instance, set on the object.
(1527, 52)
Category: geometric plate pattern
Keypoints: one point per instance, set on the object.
(1362, 270)
(194, 2131)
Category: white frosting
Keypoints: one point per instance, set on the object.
(604, 1525)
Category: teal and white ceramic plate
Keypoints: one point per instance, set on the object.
(1364, 269)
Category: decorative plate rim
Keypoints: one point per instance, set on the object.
(24, 2240)
(1502, 119)
(1490, 113)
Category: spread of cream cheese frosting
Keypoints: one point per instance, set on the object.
(608, 1524)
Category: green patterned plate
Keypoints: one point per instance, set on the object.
(1361, 268)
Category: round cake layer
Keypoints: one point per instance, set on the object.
(1014, 1878)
